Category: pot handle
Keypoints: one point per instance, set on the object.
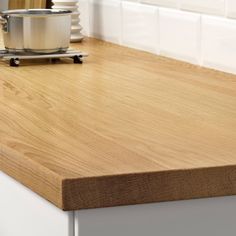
(4, 22)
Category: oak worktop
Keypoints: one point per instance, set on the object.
(126, 127)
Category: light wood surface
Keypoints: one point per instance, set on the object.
(126, 127)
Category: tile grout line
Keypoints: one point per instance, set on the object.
(157, 49)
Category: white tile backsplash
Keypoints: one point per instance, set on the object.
(105, 19)
(219, 43)
(166, 3)
(231, 8)
(197, 38)
(180, 35)
(205, 6)
(84, 16)
(140, 26)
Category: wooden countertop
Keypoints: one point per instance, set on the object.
(126, 127)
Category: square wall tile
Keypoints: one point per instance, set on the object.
(131, 0)
(105, 19)
(180, 35)
(218, 43)
(84, 16)
(231, 8)
(140, 26)
(206, 6)
(165, 3)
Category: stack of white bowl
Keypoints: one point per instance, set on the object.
(72, 5)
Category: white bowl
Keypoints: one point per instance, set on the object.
(65, 3)
(75, 28)
(77, 39)
(69, 8)
(75, 15)
(75, 22)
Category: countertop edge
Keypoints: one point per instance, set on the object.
(34, 176)
(118, 190)
(141, 188)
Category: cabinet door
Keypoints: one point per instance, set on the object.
(203, 217)
(24, 213)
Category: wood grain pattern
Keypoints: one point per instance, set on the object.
(26, 4)
(126, 127)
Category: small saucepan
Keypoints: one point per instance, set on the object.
(36, 30)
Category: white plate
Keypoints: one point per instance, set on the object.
(76, 40)
(66, 3)
(77, 35)
(77, 27)
(75, 22)
(75, 15)
(69, 8)
(75, 31)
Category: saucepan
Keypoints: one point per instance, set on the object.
(36, 30)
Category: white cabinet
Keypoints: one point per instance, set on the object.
(202, 217)
(24, 213)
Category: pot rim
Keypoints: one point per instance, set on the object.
(35, 12)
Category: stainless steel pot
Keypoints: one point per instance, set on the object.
(36, 30)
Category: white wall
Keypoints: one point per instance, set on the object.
(202, 32)
(3, 5)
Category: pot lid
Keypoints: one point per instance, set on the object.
(36, 12)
